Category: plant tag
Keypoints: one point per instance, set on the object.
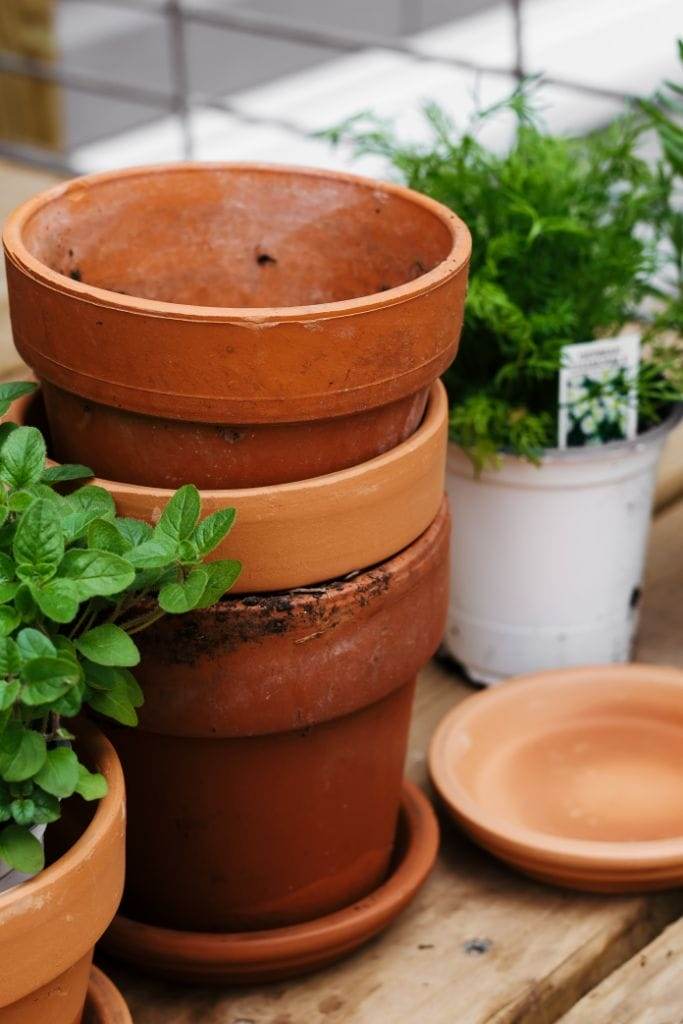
(598, 395)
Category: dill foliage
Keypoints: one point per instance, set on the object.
(573, 238)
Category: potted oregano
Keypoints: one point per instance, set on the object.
(555, 442)
(77, 584)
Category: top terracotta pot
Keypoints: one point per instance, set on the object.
(317, 303)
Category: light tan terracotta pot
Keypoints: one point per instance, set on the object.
(573, 776)
(49, 925)
(233, 324)
(292, 535)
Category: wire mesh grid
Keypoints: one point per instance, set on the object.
(175, 17)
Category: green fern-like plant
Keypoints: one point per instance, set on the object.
(573, 238)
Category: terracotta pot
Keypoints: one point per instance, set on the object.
(264, 779)
(105, 1004)
(573, 776)
(49, 925)
(291, 535)
(233, 325)
(256, 957)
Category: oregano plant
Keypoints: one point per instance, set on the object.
(77, 582)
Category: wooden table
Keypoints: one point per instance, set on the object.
(480, 944)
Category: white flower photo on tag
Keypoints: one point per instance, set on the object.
(598, 395)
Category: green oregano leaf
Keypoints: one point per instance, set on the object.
(108, 644)
(180, 515)
(22, 457)
(21, 850)
(59, 774)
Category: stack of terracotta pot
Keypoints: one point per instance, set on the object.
(274, 336)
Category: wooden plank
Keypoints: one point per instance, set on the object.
(648, 989)
(30, 110)
(544, 948)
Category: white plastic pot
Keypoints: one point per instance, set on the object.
(547, 561)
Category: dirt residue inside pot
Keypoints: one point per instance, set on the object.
(304, 614)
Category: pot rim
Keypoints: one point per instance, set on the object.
(35, 899)
(511, 841)
(342, 515)
(17, 252)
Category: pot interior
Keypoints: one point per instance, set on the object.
(236, 237)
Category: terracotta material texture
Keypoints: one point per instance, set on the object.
(573, 776)
(177, 301)
(257, 957)
(265, 776)
(292, 535)
(49, 925)
(104, 1004)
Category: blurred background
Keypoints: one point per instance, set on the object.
(93, 84)
(88, 85)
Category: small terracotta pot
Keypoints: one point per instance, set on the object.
(233, 325)
(257, 957)
(574, 776)
(291, 535)
(104, 1004)
(49, 925)
(264, 779)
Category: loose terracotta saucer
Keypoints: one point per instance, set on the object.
(104, 1003)
(574, 776)
(260, 956)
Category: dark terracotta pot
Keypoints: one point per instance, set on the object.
(49, 925)
(264, 780)
(233, 325)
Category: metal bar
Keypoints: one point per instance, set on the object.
(37, 157)
(518, 38)
(13, 64)
(345, 40)
(180, 74)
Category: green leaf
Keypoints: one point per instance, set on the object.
(182, 597)
(8, 693)
(115, 703)
(180, 515)
(8, 584)
(22, 457)
(22, 752)
(13, 389)
(39, 540)
(133, 531)
(96, 573)
(57, 474)
(213, 529)
(103, 534)
(69, 705)
(91, 785)
(23, 810)
(108, 645)
(110, 678)
(59, 774)
(46, 807)
(47, 678)
(34, 644)
(153, 554)
(222, 575)
(10, 657)
(87, 504)
(21, 850)
(58, 599)
(9, 620)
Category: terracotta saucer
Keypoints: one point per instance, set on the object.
(104, 1003)
(260, 956)
(574, 777)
